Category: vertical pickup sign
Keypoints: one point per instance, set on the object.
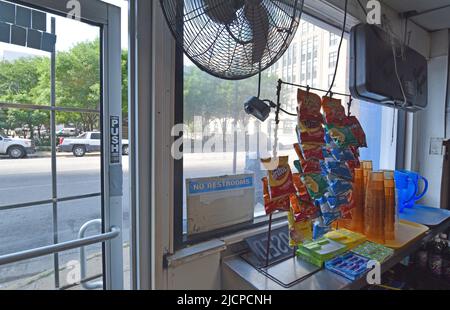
(115, 140)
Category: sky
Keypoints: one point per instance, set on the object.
(70, 32)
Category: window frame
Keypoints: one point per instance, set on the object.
(180, 240)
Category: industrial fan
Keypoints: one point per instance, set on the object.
(233, 39)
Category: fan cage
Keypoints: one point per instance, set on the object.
(231, 50)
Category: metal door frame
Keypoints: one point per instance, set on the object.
(107, 17)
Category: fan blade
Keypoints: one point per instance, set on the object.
(258, 18)
(222, 11)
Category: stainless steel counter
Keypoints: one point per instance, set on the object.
(237, 273)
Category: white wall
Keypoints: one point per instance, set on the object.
(431, 121)
(202, 271)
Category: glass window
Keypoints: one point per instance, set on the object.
(294, 53)
(212, 107)
(332, 59)
(334, 39)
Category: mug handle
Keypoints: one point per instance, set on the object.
(425, 189)
(403, 205)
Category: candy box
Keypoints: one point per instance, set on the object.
(320, 250)
(349, 265)
(374, 251)
(349, 238)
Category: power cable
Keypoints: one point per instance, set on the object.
(339, 49)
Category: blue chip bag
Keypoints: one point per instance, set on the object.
(338, 186)
(320, 229)
(340, 154)
(337, 201)
(329, 215)
(339, 170)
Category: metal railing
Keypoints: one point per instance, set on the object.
(83, 263)
(59, 247)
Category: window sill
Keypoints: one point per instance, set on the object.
(219, 244)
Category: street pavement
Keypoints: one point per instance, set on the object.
(28, 180)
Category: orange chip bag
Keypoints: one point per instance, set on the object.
(300, 187)
(280, 179)
(266, 194)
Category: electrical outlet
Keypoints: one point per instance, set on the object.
(436, 147)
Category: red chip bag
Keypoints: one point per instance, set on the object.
(302, 210)
(278, 204)
(312, 151)
(316, 136)
(333, 111)
(309, 106)
(357, 130)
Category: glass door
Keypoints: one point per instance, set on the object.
(61, 145)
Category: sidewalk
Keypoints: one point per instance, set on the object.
(47, 154)
(45, 279)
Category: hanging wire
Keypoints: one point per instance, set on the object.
(349, 107)
(362, 7)
(308, 88)
(339, 49)
(259, 83)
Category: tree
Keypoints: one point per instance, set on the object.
(213, 98)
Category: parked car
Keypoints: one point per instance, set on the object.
(67, 132)
(85, 143)
(16, 148)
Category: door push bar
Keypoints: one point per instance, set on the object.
(83, 262)
(59, 247)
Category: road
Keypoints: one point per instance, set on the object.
(28, 180)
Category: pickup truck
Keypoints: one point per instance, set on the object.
(85, 143)
(16, 148)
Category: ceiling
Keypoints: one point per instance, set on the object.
(429, 20)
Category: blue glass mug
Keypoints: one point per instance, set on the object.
(407, 186)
